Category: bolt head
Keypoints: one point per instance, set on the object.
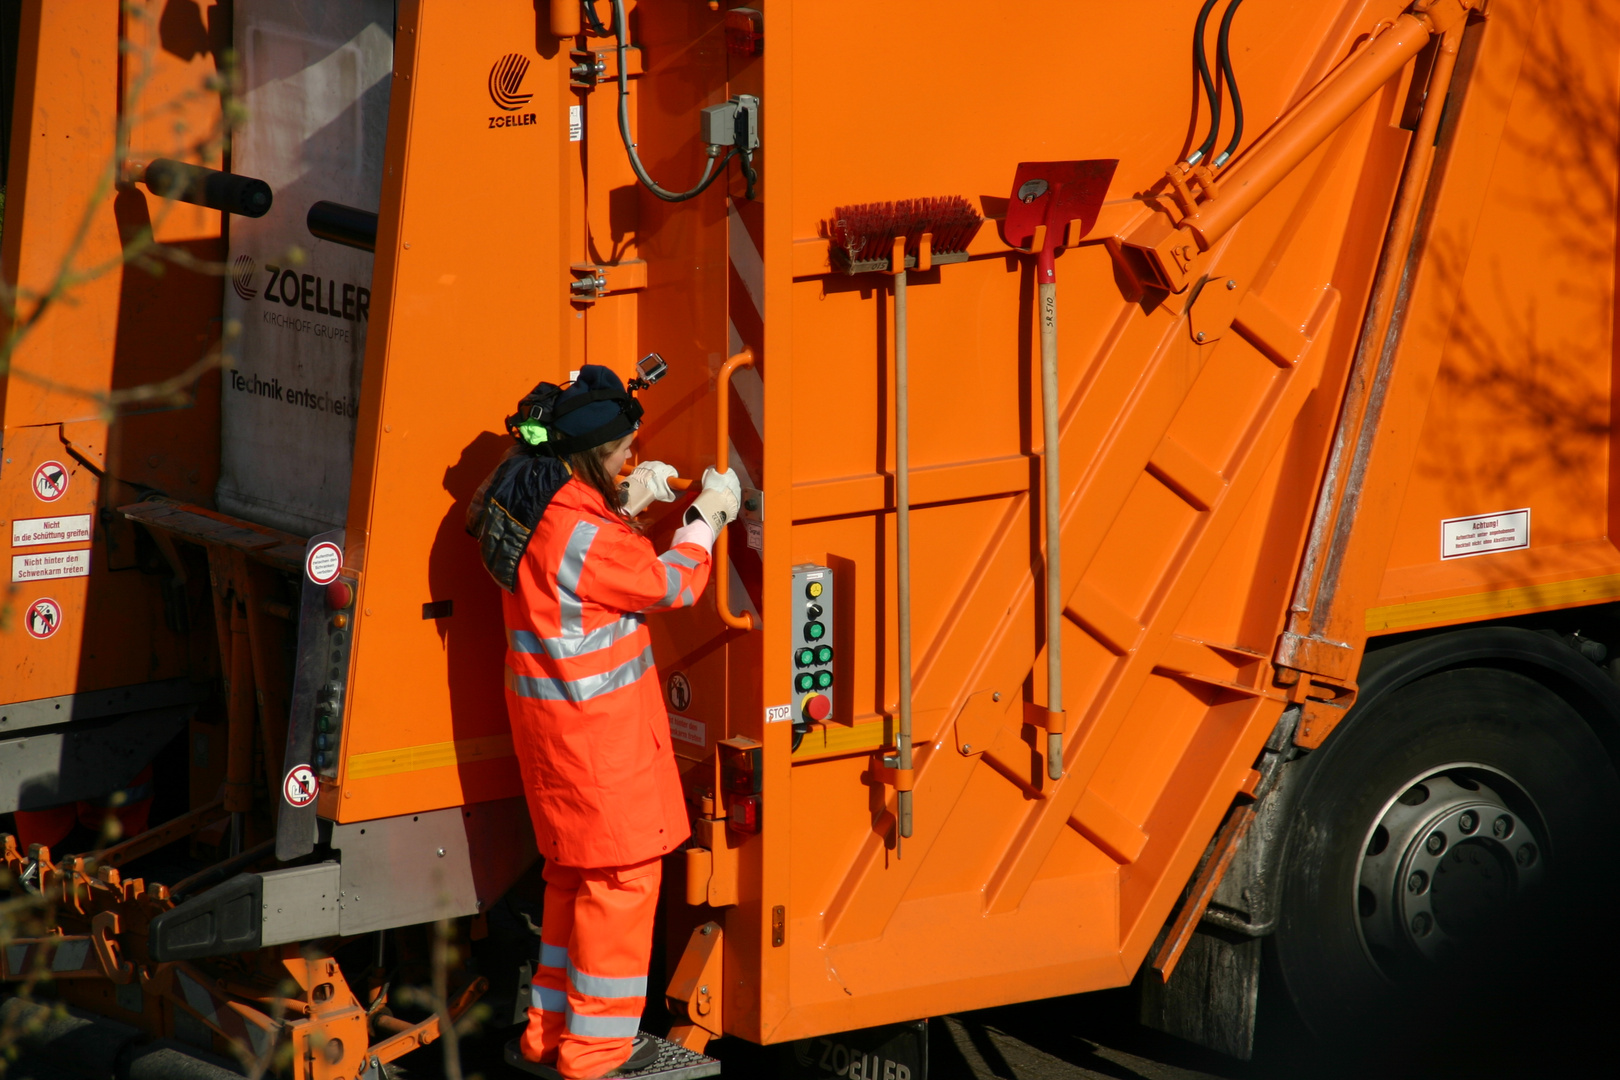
(1417, 882)
(1436, 843)
(1199, 335)
(1231, 284)
(1502, 827)
(1468, 822)
(441, 853)
(967, 748)
(1526, 855)
(1422, 923)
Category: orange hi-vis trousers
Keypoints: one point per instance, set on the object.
(591, 983)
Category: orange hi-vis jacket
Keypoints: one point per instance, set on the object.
(588, 720)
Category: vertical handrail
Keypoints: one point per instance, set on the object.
(722, 464)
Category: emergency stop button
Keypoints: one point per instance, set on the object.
(816, 707)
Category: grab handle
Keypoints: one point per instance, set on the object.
(722, 463)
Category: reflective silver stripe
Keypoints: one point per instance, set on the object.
(672, 586)
(522, 641)
(567, 648)
(553, 956)
(673, 556)
(568, 575)
(604, 1027)
(603, 986)
(548, 1000)
(687, 599)
(542, 688)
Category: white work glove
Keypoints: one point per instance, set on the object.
(647, 483)
(719, 502)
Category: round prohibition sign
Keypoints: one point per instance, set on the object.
(680, 691)
(301, 786)
(43, 619)
(50, 481)
(323, 563)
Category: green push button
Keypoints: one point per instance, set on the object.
(823, 654)
(823, 680)
(806, 657)
(815, 631)
(325, 722)
(805, 682)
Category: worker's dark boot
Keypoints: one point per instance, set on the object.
(643, 1055)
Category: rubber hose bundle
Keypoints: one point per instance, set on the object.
(1211, 83)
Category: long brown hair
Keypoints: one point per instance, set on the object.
(588, 466)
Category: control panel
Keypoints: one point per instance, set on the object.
(812, 644)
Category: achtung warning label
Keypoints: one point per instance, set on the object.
(67, 529)
(1486, 535)
(50, 564)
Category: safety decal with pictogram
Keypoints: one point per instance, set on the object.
(50, 481)
(44, 618)
(301, 786)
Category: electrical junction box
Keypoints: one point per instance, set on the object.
(812, 644)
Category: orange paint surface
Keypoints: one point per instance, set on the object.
(1191, 467)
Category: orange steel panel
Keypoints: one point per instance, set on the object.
(1521, 407)
(114, 329)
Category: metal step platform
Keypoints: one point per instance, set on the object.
(674, 1063)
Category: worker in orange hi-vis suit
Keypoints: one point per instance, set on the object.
(588, 723)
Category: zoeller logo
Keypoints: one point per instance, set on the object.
(242, 272)
(506, 79)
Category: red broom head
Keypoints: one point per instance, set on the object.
(866, 233)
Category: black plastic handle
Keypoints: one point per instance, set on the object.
(347, 225)
(200, 186)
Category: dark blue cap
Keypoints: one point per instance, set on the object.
(585, 422)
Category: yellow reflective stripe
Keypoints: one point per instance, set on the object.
(427, 756)
(1490, 605)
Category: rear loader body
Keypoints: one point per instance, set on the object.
(1317, 399)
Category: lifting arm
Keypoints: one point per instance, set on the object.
(1167, 250)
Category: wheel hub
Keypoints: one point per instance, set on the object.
(1446, 861)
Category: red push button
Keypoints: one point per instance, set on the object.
(339, 595)
(816, 707)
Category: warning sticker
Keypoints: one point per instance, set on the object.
(44, 618)
(688, 730)
(301, 786)
(679, 688)
(776, 714)
(323, 563)
(26, 532)
(1485, 535)
(51, 564)
(50, 481)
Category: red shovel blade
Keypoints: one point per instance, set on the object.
(1054, 193)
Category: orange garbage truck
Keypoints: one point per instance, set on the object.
(1177, 468)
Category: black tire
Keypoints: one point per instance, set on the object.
(1563, 783)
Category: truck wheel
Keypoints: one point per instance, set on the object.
(1442, 831)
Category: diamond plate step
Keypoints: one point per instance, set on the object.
(674, 1063)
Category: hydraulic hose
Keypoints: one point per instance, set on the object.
(1223, 55)
(1201, 63)
(589, 7)
(710, 171)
